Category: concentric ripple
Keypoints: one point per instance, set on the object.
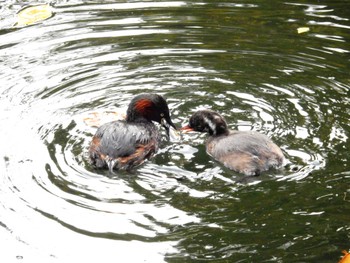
(246, 61)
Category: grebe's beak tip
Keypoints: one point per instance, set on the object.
(171, 131)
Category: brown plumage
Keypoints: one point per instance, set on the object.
(128, 143)
(246, 152)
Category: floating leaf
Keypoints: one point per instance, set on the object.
(32, 14)
(345, 258)
(303, 30)
(96, 119)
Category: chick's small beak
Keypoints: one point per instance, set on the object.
(186, 128)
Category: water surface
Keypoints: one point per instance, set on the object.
(245, 60)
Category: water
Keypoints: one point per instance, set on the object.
(242, 59)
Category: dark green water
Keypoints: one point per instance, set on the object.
(243, 59)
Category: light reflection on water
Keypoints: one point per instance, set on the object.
(181, 205)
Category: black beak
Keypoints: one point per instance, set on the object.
(171, 131)
(167, 123)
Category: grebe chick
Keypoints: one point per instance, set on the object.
(246, 152)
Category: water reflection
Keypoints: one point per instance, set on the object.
(245, 61)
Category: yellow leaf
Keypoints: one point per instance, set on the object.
(303, 30)
(345, 258)
(32, 14)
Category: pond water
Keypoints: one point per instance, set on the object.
(243, 59)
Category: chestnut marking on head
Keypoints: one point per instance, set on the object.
(151, 107)
(144, 106)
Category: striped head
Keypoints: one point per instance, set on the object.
(207, 121)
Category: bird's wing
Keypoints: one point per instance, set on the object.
(118, 139)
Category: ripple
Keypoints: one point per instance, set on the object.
(181, 204)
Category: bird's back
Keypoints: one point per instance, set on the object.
(123, 145)
(246, 152)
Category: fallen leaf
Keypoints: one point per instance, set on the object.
(345, 258)
(303, 30)
(32, 14)
(96, 119)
